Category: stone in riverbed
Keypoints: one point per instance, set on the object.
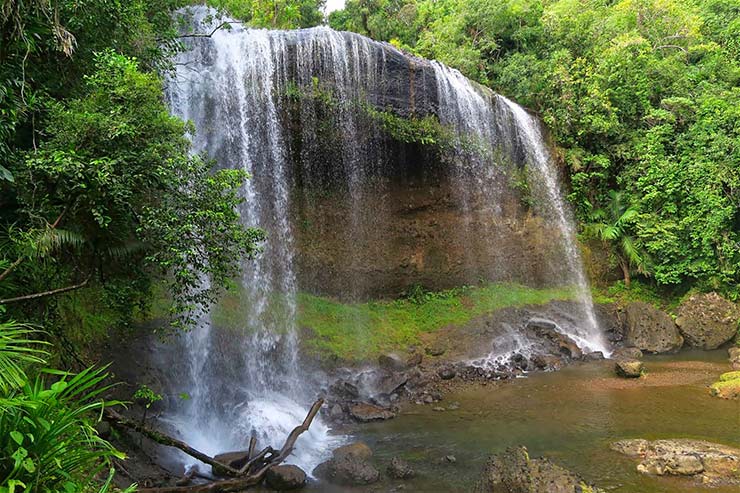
(400, 469)
(235, 460)
(350, 466)
(707, 320)
(626, 353)
(515, 472)
(285, 477)
(593, 356)
(446, 372)
(547, 362)
(734, 353)
(728, 386)
(650, 329)
(391, 362)
(628, 368)
(711, 462)
(365, 412)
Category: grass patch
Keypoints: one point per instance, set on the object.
(638, 291)
(362, 331)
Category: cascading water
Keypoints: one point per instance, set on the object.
(298, 110)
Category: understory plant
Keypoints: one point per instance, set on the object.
(48, 442)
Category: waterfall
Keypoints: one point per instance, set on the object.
(291, 109)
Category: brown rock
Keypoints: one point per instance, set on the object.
(285, 477)
(364, 412)
(734, 353)
(235, 460)
(628, 368)
(650, 329)
(708, 320)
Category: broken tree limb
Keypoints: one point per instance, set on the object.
(244, 478)
(116, 419)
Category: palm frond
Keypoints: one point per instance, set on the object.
(54, 239)
(18, 350)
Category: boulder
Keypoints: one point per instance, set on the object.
(711, 462)
(285, 477)
(593, 356)
(628, 368)
(447, 372)
(707, 320)
(349, 466)
(232, 459)
(358, 450)
(400, 469)
(365, 412)
(547, 362)
(515, 472)
(548, 330)
(650, 329)
(626, 353)
(728, 386)
(391, 362)
(734, 353)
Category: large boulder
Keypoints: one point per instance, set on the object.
(708, 320)
(349, 466)
(650, 329)
(711, 462)
(515, 472)
(285, 477)
(626, 353)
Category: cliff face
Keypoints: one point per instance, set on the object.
(373, 170)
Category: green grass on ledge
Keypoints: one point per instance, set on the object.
(362, 331)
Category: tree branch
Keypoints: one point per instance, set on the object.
(203, 35)
(116, 419)
(44, 294)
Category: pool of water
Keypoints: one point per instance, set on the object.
(570, 416)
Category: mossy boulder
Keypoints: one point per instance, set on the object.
(728, 386)
(514, 471)
(734, 353)
(707, 320)
(628, 368)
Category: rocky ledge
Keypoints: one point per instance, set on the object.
(711, 463)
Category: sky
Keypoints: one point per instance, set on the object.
(332, 5)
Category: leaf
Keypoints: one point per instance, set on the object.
(17, 437)
(5, 174)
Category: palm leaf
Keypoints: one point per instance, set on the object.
(18, 350)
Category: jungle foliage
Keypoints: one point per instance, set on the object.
(642, 97)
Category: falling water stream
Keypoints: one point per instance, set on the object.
(231, 86)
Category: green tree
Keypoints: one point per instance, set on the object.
(612, 225)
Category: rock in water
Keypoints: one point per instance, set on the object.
(628, 368)
(515, 472)
(446, 372)
(708, 320)
(359, 450)
(713, 463)
(365, 412)
(349, 466)
(728, 386)
(285, 477)
(400, 469)
(626, 353)
(650, 329)
(235, 460)
(734, 353)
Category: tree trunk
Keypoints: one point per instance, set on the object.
(626, 272)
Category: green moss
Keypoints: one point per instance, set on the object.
(85, 317)
(732, 375)
(362, 331)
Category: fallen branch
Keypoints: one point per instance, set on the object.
(244, 478)
(116, 419)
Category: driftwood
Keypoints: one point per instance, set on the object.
(251, 474)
